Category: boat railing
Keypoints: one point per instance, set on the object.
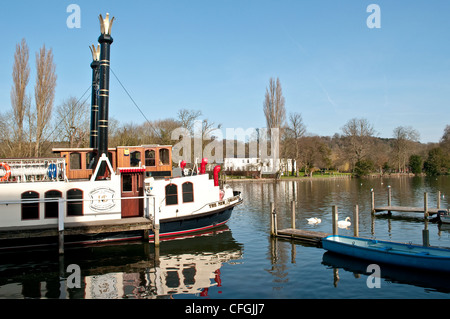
(34, 170)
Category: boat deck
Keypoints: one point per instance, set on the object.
(92, 227)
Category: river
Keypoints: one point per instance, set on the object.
(241, 260)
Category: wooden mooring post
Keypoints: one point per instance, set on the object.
(356, 221)
(372, 205)
(334, 219)
(293, 214)
(273, 219)
(61, 214)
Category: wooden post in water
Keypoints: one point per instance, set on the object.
(156, 231)
(273, 219)
(156, 227)
(356, 221)
(293, 214)
(372, 202)
(426, 235)
(61, 214)
(389, 197)
(334, 218)
(425, 231)
(425, 205)
(439, 200)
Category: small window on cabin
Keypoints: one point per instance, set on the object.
(51, 206)
(188, 192)
(171, 194)
(164, 156)
(135, 158)
(30, 205)
(74, 202)
(150, 158)
(75, 161)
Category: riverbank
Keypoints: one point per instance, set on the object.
(319, 177)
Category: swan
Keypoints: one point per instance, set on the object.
(344, 223)
(314, 220)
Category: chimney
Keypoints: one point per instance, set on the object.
(105, 41)
(93, 141)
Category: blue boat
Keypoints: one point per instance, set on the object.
(399, 254)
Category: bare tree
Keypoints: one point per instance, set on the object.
(44, 93)
(294, 131)
(274, 109)
(358, 133)
(187, 118)
(20, 102)
(72, 117)
(403, 140)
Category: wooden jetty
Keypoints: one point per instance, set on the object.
(405, 209)
(314, 237)
(310, 237)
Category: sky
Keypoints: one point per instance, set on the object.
(217, 56)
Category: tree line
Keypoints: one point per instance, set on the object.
(355, 149)
(27, 130)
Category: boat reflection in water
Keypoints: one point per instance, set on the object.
(427, 279)
(128, 270)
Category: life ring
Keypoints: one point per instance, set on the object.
(8, 172)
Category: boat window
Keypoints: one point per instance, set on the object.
(75, 161)
(51, 207)
(74, 206)
(90, 160)
(171, 194)
(164, 156)
(188, 192)
(150, 158)
(135, 158)
(30, 205)
(127, 183)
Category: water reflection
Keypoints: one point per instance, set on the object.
(427, 279)
(132, 270)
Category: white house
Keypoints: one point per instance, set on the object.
(267, 166)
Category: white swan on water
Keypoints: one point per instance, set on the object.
(344, 223)
(314, 220)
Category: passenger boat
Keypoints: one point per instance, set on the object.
(100, 184)
(399, 254)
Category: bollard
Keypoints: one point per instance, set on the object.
(356, 221)
(334, 219)
(273, 219)
(293, 214)
(61, 214)
(373, 201)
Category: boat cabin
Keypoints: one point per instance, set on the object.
(154, 160)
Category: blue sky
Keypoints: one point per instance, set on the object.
(217, 56)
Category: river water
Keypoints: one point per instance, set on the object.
(241, 260)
